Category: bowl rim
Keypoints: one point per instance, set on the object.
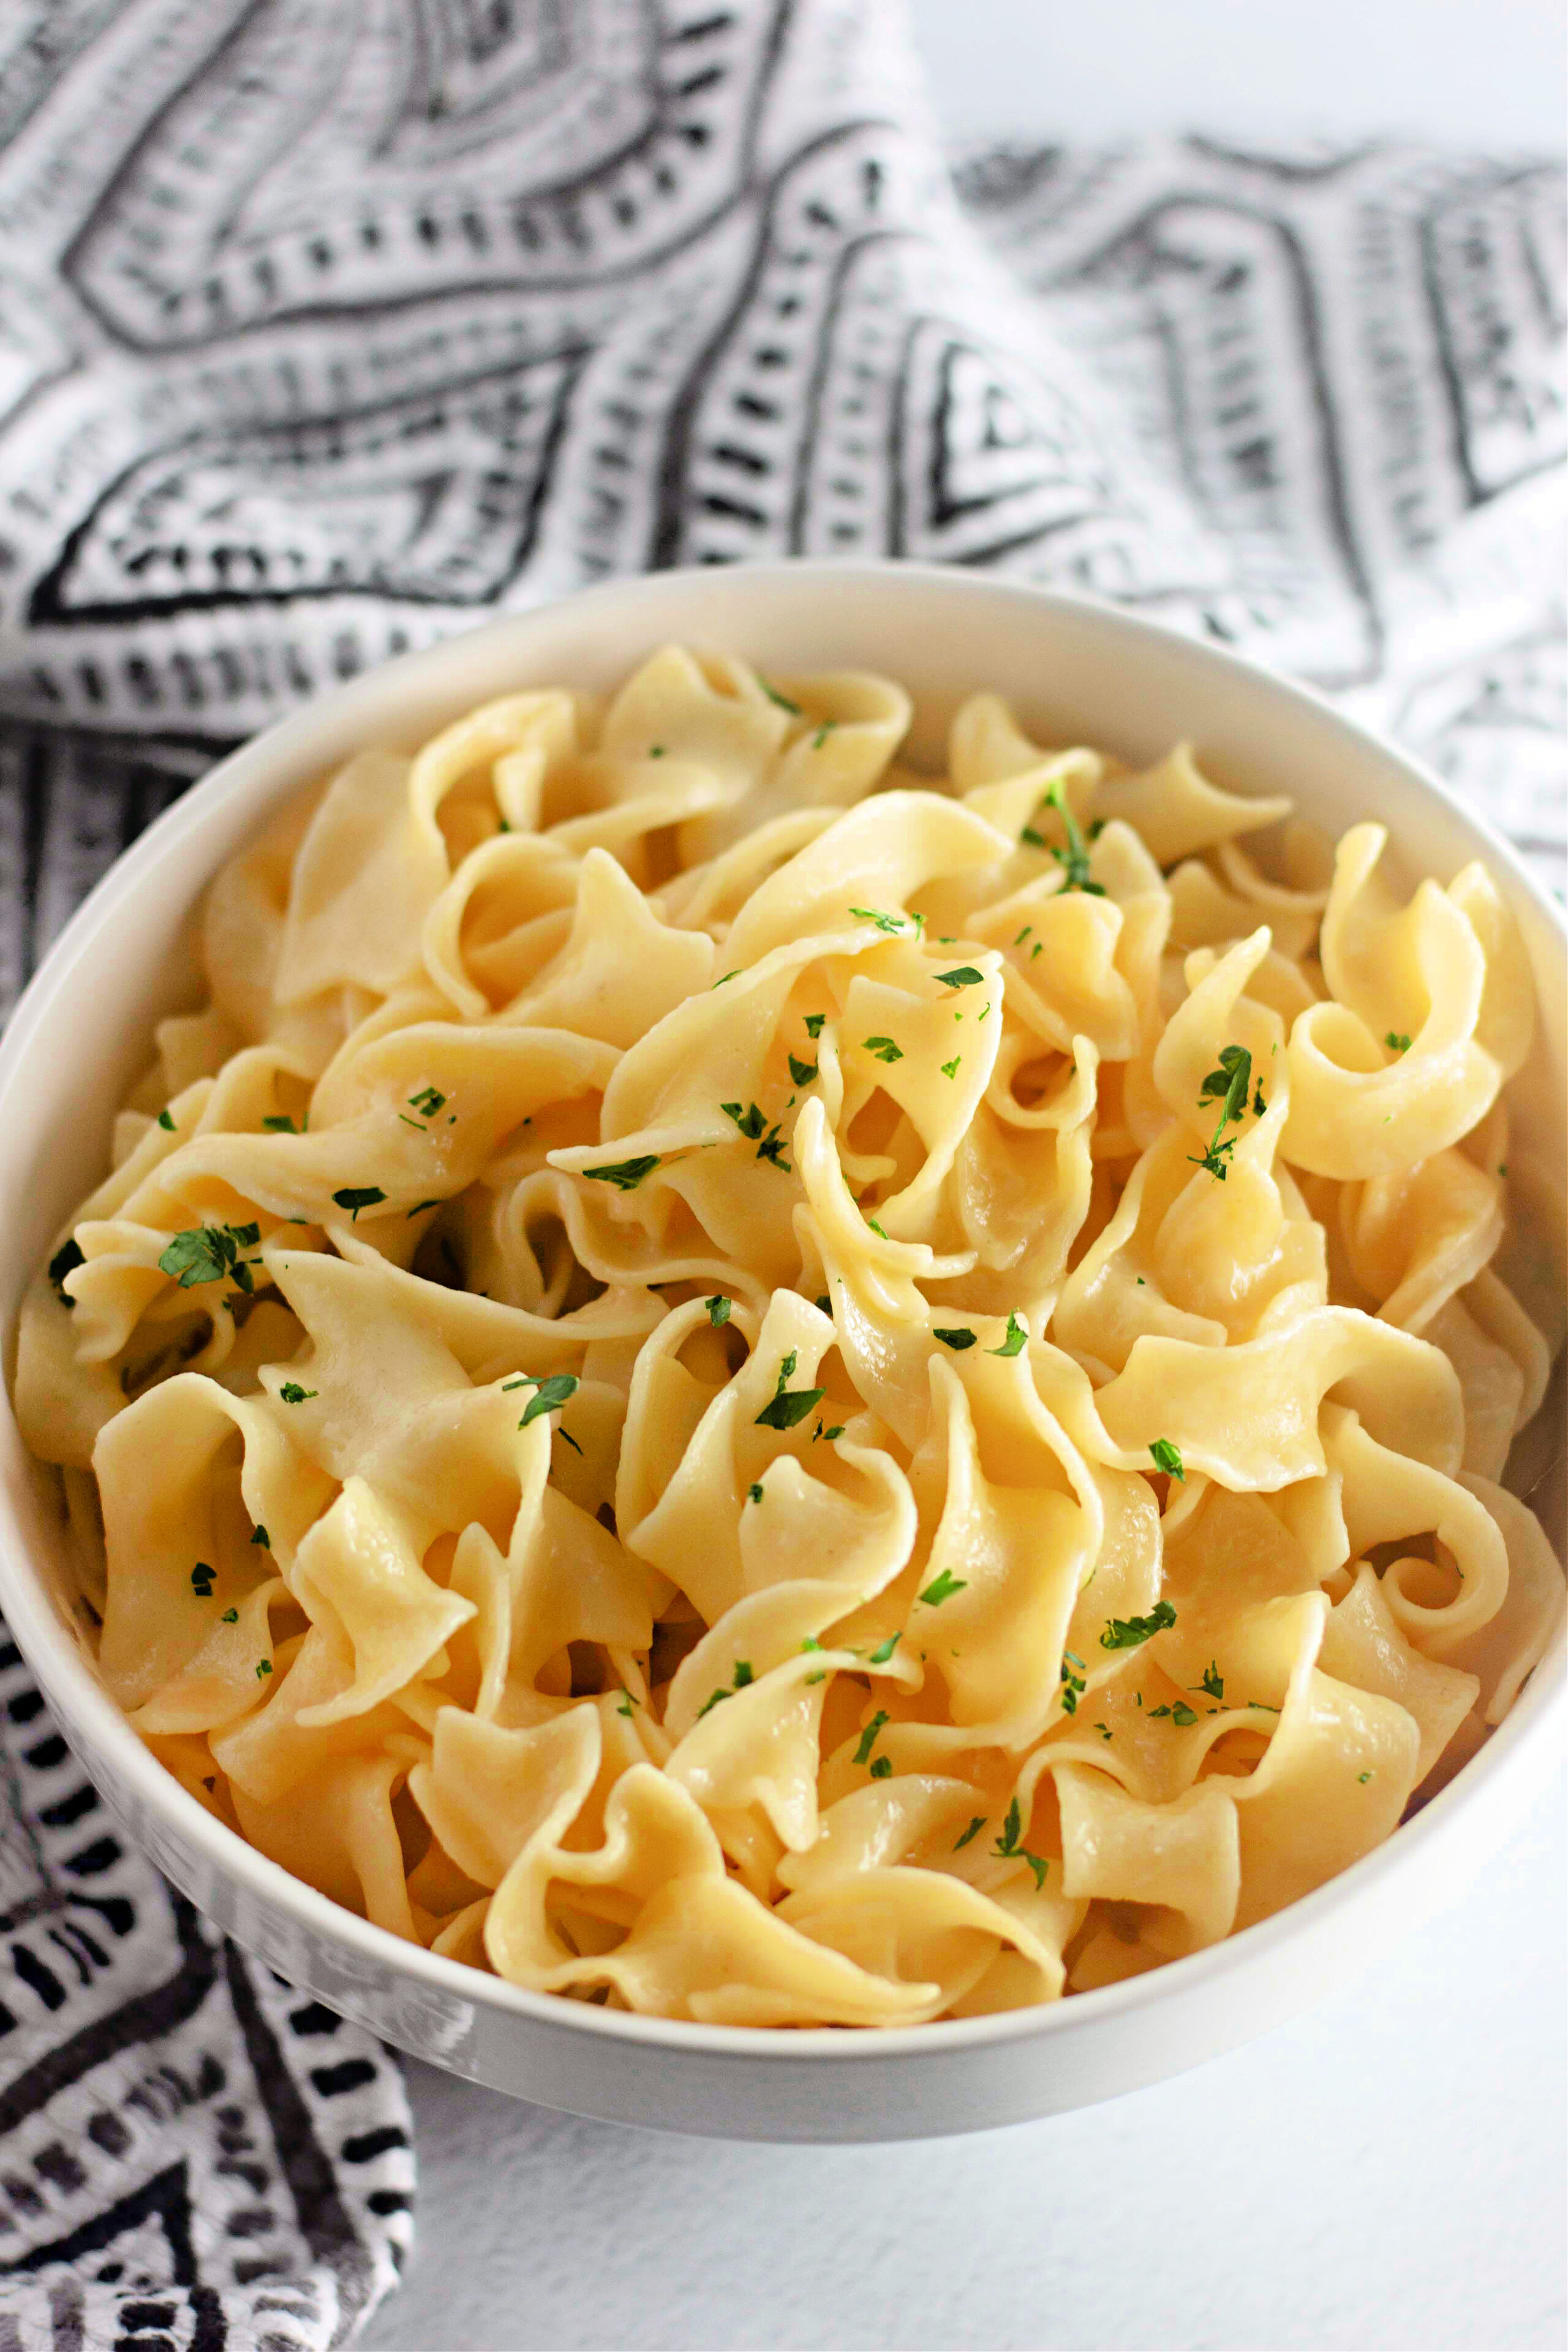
(82, 1704)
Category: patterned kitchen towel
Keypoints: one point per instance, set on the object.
(328, 327)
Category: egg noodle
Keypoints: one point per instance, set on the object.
(727, 1378)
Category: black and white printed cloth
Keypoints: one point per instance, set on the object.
(328, 327)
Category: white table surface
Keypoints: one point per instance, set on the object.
(1386, 2173)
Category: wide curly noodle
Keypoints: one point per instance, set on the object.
(723, 1377)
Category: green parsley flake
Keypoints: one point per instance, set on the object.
(802, 1073)
(943, 1588)
(625, 1175)
(869, 1737)
(1023, 935)
(962, 975)
(427, 1102)
(743, 1673)
(1363, 1777)
(753, 1494)
(355, 1197)
(1131, 1632)
(655, 750)
(1213, 1681)
(1016, 1342)
(1168, 1458)
(280, 1123)
(293, 1393)
(723, 976)
(882, 1767)
(814, 1023)
(973, 1831)
(824, 1304)
(876, 1228)
(1074, 859)
(65, 1260)
(788, 1407)
(202, 1580)
(1229, 1085)
(822, 734)
(1073, 1684)
(883, 1049)
(718, 1310)
(1396, 1042)
(949, 1069)
(782, 700)
(420, 1206)
(209, 1253)
(263, 1539)
(229, 1617)
(956, 1340)
(883, 922)
(1009, 1849)
(880, 1656)
(549, 1395)
(165, 1122)
(264, 1666)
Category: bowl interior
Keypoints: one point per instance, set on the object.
(1075, 671)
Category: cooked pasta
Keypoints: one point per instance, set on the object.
(728, 1379)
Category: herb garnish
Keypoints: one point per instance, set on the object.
(549, 1395)
(625, 1175)
(881, 1768)
(1228, 1086)
(209, 1253)
(802, 1073)
(883, 922)
(1131, 1632)
(957, 1340)
(752, 1124)
(883, 1049)
(1009, 1849)
(1181, 1713)
(229, 1617)
(949, 1069)
(65, 1260)
(962, 975)
(1168, 1458)
(1014, 1344)
(880, 1657)
(280, 1123)
(1073, 1685)
(975, 1826)
(718, 1310)
(943, 1588)
(165, 1122)
(782, 700)
(264, 1666)
(787, 1407)
(293, 1393)
(1396, 1042)
(869, 1737)
(1213, 1681)
(356, 1197)
(427, 1102)
(814, 1023)
(263, 1539)
(202, 1580)
(1074, 859)
(742, 1675)
(753, 1494)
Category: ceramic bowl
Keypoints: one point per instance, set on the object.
(1078, 672)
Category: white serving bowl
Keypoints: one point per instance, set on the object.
(1077, 672)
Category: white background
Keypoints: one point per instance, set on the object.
(1385, 2176)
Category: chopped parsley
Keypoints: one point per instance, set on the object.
(264, 1666)
(280, 1123)
(1073, 1684)
(293, 1393)
(949, 1069)
(753, 1125)
(1363, 1777)
(1009, 1849)
(742, 1675)
(427, 1102)
(1181, 1713)
(718, 1310)
(814, 1023)
(876, 1228)
(229, 1617)
(548, 1396)
(1023, 935)
(1168, 1458)
(165, 1122)
(787, 1407)
(869, 1737)
(1228, 1086)
(1396, 1042)
(827, 1435)
(1074, 859)
(753, 1494)
(1131, 1632)
(943, 1588)
(355, 1197)
(1016, 1342)
(883, 1049)
(202, 1580)
(263, 1539)
(973, 1831)
(801, 1073)
(208, 1254)
(962, 975)
(883, 922)
(957, 1340)
(782, 700)
(723, 976)
(420, 1206)
(822, 734)
(879, 1657)
(1213, 1681)
(65, 1260)
(625, 1175)
(824, 1304)
(881, 1768)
